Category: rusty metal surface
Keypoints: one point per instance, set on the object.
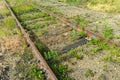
(36, 53)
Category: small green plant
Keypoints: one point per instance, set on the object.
(39, 46)
(9, 22)
(79, 56)
(27, 56)
(108, 32)
(22, 7)
(108, 58)
(44, 31)
(115, 52)
(78, 20)
(82, 34)
(101, 45)
(4, 12)
(61, 72)
(97, 49)
(90, 73)
(51, 55)
(16, 54)
(96, 28)
(74, 35)
(72, 52)
(105, 68)
(95, 41)
(37, 73)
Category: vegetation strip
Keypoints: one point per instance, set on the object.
(78, 28)
(35, 50)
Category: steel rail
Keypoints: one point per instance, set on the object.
(89, 33)
(50, 74)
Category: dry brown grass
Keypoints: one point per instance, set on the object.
(12, 43)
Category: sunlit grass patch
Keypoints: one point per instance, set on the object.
(23, 7)
(9, 22)
(99, 5)
(3, 10)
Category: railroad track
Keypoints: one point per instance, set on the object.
(57, 36)
(90, 34)
(43, 63)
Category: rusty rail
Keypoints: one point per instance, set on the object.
(89, 33)
(43, 63)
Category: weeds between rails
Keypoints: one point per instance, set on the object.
(50, 55)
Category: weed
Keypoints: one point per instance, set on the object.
(37, 73)
(4, 12)
(74, 35)
(108, 58)
(102, 45)
(72, 52)
(22, 7)
(95, 41)
(95, 50)
(27, 56)
(44, 31)
(108, 32)
(79, 21)
(117, 36)
(90, 73)
(82, 34)
(115, 52)
(79, 56)
(105, 68)
(51, 55)
(96, 28)
(61, 72)
(31, 72)
(39, 46)
(16, 54)
(9, 22)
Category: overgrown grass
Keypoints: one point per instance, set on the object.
(23, 7)
(4, 12)
(9, 22)
(100, 5)
(108, 32)
(33, 15)
(3, 9)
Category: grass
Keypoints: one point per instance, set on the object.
(33, 15)
(4, 12)
(61, 72)
(78, 20)
(59, 69)
(90, 73)
(9, 22)
(108, 32)
(79, 56)
(51, 55)
(26, 68)
(99, 5)
(82, 34)
(74, 35)
(22, 7)
(27, 56)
